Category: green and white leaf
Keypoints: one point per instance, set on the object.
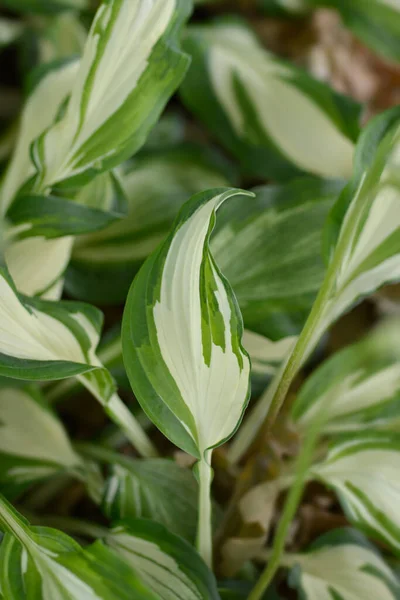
(362, 247)
(367, 251)
(276, 119)
(37, 562)
(156, 489)
(129, 69)
(33, 441)
(36, 264)
(367, 379)
(156, 185)
(44, 341)
(50, 93)
(363, 470)
(270, 251)
(168, 565)
(182, 317)
(342, 564)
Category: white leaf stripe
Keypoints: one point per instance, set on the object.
(50, 92)
(46, 341)
(37, 264)
(166, 563)
(97, 134)
(253, 90)
(154, 489)
(24, 449)
(367, 378)
(192, 330)
(342, 564)
(55, 567)
(368, 248)
(364, 473)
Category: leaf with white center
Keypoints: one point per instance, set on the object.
(362, 246)
(44, 341)
(37, 265)
(156, 185)
(181, 340)
(342, 564)
(168, 565)
(276, 119)
(367, 379)
(181, 316)
(366, 252)
(37, 562)
(363, 470)
(40, 111)
(130, 67)
(153, 489)
(270, 251)
(33, 442)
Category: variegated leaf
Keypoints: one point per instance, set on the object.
(363, 233)
(362, 246)
(51, 91)
(47, 341)
(37, 264)
(156, 489)
(364, 472)
(367, 379)
(37, 562)
(342, 564)
(270, 251)
(130, 67)
(156, 185)
(33, 442)
(168, 565)
(182, 335)
(275, 118)
(181, 340)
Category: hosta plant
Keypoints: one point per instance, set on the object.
(198, 398)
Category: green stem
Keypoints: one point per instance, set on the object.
(268, 407)
(292, 502)
(120, 414)
(204, 534)
(107, 355)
